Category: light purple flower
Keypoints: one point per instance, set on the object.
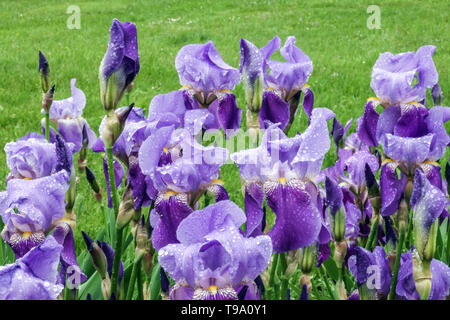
(29, 209)
(291, 75)
(30, 157)
(279, 97)
(213, 258)
(34, 276)
(393, 76)
(67, 115)
(207, 81)
(201, 68)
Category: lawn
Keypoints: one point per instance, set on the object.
(333, 34)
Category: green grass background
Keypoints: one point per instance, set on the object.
(332, 33)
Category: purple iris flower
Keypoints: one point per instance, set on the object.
(411, 135)
(181, 171)
(33, 276)
(30, 157)
(213, 260)
(427, 202)
(371, 269)
(440, 279)
(206, 78)
(67, 115)
(286, 169)
(120, 64)
(405, 77)
(126, 148)
(282, 86)
(30, 208)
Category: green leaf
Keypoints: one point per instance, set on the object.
(332, 269)
(155, 283)
(93, 286)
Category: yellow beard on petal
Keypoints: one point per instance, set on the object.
(26, 235)
(213, 289)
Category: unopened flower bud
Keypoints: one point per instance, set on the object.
(126, 209)
(292, 260)
(106, 289)
(141, 238)
(82, 162)
(307, 256)
(47, 99)
(115, 122)
(98, 257)
(44, 72)
(340, 250)
(337, 131)
(305, 279)
(437, 95)
(422, 276)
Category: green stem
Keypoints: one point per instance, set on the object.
(139, 285)
(409, 233)
(112, 180)
(282, 265)
(373, 229)
(400, 242)
(47, 125)
(272, 271)
(116, 263)
(118, 240)
(136, 268)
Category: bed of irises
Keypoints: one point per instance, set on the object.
(374, 226)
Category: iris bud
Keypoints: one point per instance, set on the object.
(292, 260)
(422, 276)
(94, 185)
(97, 255)
(115, 122)
(126, 209)
(47, 99)
(44, 71)
(436, 94)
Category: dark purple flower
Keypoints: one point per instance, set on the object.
(34, 276)
(213, 259)
(393, 76)
(67, 115)
(69, 266)
(120, 64)
(287, 169)
(181, 170)
(371, 269)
